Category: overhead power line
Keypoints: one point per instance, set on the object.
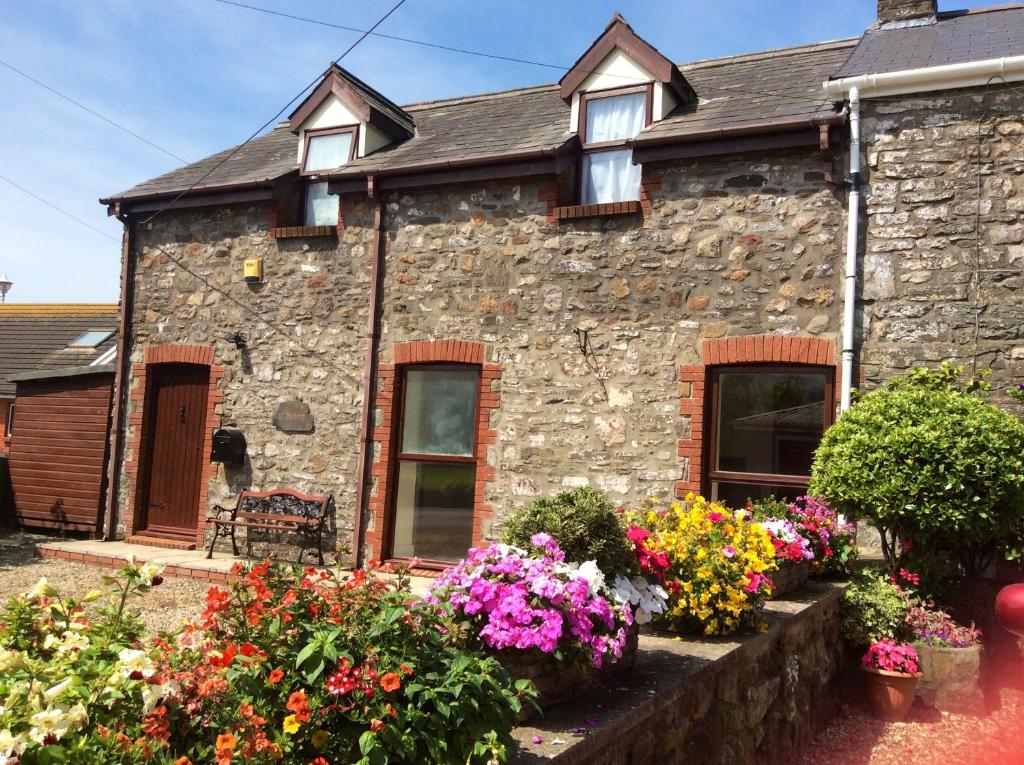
(58, 209)
(91, 111)
(273, 119)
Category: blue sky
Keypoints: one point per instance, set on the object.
(197, 76)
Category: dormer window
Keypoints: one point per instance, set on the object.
(329, 149)
(91, 339)
(609, 119)
(325, 150)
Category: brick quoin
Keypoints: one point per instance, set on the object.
(430, 352)
(170, 353)
(751, 349)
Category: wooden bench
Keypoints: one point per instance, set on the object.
(278, 510)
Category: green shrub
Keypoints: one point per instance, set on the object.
(584, 523)
(874, 608)
(927, 462)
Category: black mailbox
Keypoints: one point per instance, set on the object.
(228, 446)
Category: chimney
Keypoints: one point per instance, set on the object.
(916, 11)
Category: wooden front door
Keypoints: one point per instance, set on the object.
(174, 437)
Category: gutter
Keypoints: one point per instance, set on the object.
(945, 77)
(369, 371)
(761, 127)
(119, 395)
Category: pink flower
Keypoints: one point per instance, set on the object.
(728, 551)
(715, 517)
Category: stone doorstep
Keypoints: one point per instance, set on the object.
(666, 666)
(188, 563)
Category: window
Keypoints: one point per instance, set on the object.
(436, 463)
(325, 150)
(92, 338)
(607, 120)
(766, 423)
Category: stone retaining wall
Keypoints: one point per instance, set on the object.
(750, 700)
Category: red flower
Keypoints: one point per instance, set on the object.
(319, 761)
(390, 682)
(275, 676)
(376, 725)
(298, 704)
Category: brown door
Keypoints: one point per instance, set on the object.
(174, 458)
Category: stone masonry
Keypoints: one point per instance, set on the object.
(944, 245)
(734, 246)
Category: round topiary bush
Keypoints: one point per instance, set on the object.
(929, 464)
(584, 523)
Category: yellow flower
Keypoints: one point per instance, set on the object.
(291, 724)
(319, 739)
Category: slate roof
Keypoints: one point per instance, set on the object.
(956, 37)
(35, 337)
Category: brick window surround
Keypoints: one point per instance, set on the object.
(428, 352)
(752, 349)
(169, 353)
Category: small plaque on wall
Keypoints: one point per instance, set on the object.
(293, 417)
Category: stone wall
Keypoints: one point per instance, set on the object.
(732, 246)
(754, 699)
(304, 331)
(933, 288)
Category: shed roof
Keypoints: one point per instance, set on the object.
(35, 337)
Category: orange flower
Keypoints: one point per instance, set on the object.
(183, 761)
(275, 676)
(298, 704)
(226, 741)
(319, 761)
(390, 682)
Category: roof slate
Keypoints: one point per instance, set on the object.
(955, 38)
(35, 337)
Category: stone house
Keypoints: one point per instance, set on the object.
(634, 279)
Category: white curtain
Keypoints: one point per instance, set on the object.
(321, 207)
(326, 152)
(610, 176)
(615, 118)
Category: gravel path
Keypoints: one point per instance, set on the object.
(163, 608)
(929, 737)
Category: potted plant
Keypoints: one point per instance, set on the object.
(793, 555)
(950, 658)
(891, 671)
(557, 624)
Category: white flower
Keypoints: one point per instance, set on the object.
(42, 589)
(151, 570)
(593, 575)
(56, 690)
(11, 746)
(72, 641)
(151, 694)
(136, 661)
(646, 599)
(49, 721)
(77, 716)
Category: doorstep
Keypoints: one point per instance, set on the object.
(189, 563)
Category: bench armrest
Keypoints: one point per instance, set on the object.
(219, 510)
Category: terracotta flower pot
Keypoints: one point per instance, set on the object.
(890, 694)
(949, 677)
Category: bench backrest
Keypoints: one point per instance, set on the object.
(284, 502)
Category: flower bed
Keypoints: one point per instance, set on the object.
(285, 665)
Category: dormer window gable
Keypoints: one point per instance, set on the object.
(341, 120)
(617, 88)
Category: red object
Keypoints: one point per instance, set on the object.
(1010, 608)
(890, 694)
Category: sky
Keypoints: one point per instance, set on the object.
(198, 76)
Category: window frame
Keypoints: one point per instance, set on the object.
(398, 456)
(710, 474)
(106, 335)
(309, 134)
(9, 418)
(602, 146)
(310, 182)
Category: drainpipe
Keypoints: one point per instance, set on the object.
(119, 395)
(369, 370)
(852, 240)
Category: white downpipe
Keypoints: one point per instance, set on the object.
(945, 77)
(852, 240)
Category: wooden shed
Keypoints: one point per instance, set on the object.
(58, 456)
